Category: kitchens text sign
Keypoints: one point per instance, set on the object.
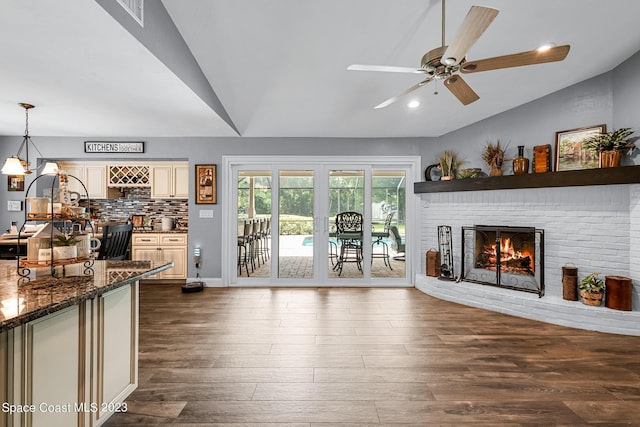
(114, 147)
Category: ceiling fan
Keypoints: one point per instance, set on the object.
(444, 62)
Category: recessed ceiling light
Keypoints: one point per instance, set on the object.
(414, 104)
(545, 47)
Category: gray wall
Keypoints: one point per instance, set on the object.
(626, 95)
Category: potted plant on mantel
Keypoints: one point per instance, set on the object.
(494, 156)
(591, 290)
(610, 146)
(449, 163)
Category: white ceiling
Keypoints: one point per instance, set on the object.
(279, 66)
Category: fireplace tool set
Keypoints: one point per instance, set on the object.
(446, 253)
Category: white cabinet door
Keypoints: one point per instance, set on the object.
(96, 181)
(54, 372)
(179, 257)
(181, 181)
(170, 180)
(76, 170)
(92, 174)
(162, 182)
(146, 253)
(117, 368)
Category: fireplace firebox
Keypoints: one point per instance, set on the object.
(504, 256)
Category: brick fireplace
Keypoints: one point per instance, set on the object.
(595, 228)
(504, 256)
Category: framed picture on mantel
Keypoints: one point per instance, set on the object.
(570, 154)
(206, 184)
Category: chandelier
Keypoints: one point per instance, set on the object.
(16, 165)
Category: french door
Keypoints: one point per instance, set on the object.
(286, 221)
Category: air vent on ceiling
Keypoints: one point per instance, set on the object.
(135, 9)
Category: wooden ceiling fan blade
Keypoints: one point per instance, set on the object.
(385, 68)
(531, 57)
(461, 90)
(397, 97)
(475, 23)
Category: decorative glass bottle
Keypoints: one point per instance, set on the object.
(520, 163)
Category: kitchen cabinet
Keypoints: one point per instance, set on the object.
(92, 174)
(75, 366)
(162, 246)
(170, 180)
(95, 178)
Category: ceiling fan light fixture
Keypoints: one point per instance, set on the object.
(449, 61)
(545, 47)
(413, 104)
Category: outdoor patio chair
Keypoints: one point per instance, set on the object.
(378, 241)
(349, 237)
(397, 244)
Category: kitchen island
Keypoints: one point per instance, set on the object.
(69, 346)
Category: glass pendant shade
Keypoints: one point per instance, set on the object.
(13, 166)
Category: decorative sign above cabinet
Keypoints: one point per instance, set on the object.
(114, 147)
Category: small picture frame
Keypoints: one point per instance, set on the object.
(15, 183)
(206, 185)
(570, 155)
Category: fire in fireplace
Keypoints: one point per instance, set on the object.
(504, 256)
(513, 249)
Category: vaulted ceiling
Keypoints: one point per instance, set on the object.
(278, 68)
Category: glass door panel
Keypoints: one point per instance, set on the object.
(296, 224)
(388, 195)
(300, 206)
(345, 247)
(254, 223)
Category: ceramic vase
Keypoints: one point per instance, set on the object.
(520, 163)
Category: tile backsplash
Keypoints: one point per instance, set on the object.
(120, 210)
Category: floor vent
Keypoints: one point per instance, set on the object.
(135, 9)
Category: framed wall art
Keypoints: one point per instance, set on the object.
(15, 183)
(206, 185)
(570, 154)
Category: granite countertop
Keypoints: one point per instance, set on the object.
(26, 299)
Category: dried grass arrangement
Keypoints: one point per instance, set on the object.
(494, 156)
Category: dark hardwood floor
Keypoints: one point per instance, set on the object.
(368, 357)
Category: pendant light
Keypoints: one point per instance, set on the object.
(15, 165)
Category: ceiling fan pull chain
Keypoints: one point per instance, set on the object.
(436, 85)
